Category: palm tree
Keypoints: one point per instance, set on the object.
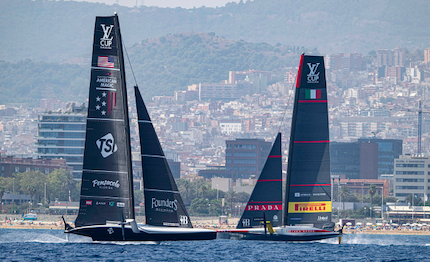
(69, 182)
(372, 192)
(203, 189)
(344, 194)
(231, 197)
(31, 189)
(184, 188)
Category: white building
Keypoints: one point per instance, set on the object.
(411, 176)
(230, 126)
(221, 183)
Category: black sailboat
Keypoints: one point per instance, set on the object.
(106, 211)
(307, 203)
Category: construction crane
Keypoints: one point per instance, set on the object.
(420, 121)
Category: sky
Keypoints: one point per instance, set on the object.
(165, 3)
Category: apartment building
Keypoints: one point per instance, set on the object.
(411, 177)
(62, 135)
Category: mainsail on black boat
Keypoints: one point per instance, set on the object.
(106, 211)
(307, 203)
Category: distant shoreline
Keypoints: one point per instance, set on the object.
(58, 226)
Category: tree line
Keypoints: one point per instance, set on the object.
(56, 185)
(201, 199)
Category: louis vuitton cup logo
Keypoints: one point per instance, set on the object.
(106, 40)
(313, 76)
(107, 145)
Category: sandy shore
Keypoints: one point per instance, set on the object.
(55, 222)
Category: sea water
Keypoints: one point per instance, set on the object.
(52, 245)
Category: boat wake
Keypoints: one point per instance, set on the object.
(35, 236)
(380, 240)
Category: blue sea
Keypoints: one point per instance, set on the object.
(52, 245)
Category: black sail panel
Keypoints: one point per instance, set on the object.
(266, 198)
(308, 192)
(163, 203)
(106, 190)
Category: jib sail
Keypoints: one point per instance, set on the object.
(266, 198)
(163, 203)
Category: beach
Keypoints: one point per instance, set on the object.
(55, 222)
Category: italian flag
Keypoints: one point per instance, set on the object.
(313, 94)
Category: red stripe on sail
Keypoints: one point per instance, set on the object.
(299, 74)
(312, 142)
(269, 180)
(313, 101)
(108, 109)
(274, 156)
(312, 185)
(115, 99)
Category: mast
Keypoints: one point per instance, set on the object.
(308, 196)
(127, 121)
(107, 189)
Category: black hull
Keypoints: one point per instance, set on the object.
(115, 233)
(274, 237)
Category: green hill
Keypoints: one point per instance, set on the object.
(27, 82)
(161, 65)
(55, 31)
(173, 62)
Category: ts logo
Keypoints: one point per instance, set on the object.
(107, 145)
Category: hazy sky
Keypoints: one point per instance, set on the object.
(164, 3)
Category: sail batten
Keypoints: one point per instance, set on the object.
(308, 197)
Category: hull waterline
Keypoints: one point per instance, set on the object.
(146, 233)
(293, 234)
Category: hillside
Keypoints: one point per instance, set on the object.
(55, 31)
(161, 65)
(27, 82)
(173, 62)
